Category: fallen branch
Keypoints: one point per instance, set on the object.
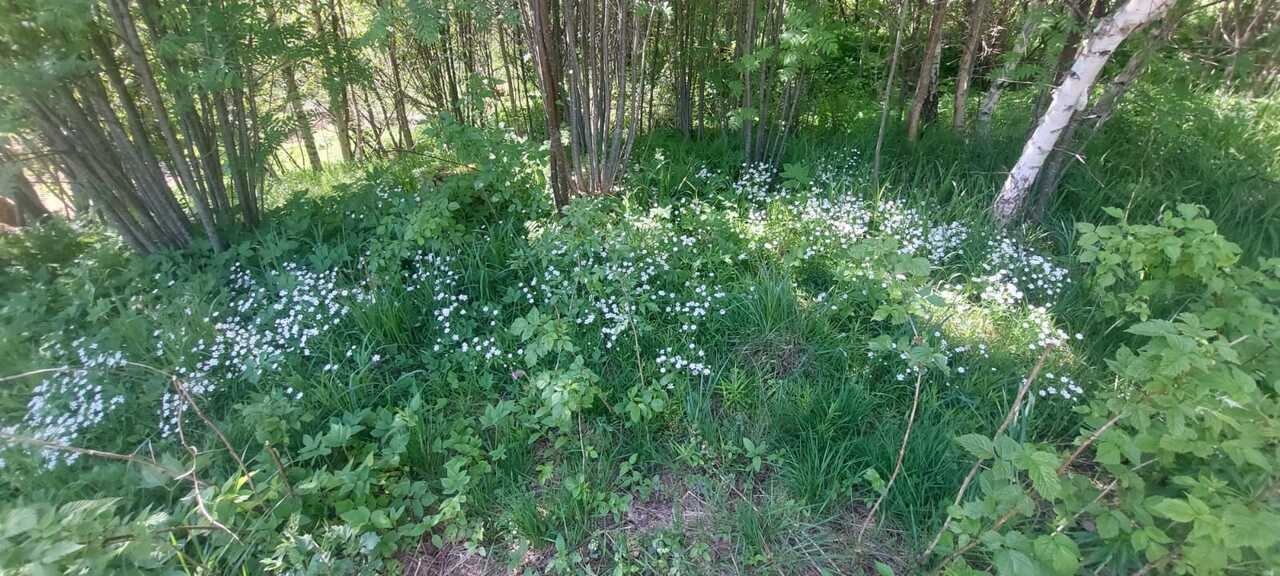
(186, 397)
(89, 452)
(897, 467)
(977, 465)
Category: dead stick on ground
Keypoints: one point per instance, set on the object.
(195, 483)
(284, 475)
(89, 452)
(973, 471)
(186, 397)
(1088, 441)
(41, 371)
(897, 467)
(199, 500)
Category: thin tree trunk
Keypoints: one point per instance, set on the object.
(1098, 114)
(1068, 98)
(294, 97)
(334, 83)
(133, 44)
(24, 194)
(989, 102)
(976, 18)
(888, 92)
(397, 88)
(1081, 11)
(300, 117)
(538, 24)
(924, 85)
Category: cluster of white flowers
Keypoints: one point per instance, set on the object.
(1015, 274)
(838, 172)
(1047, 334)
(269, 324)
(456, 316)
(902, 223)
(269, 321)
(389, 198)
(945, 241)
(610, 286)
(708, 181)
(669, 361)
(173, 407)
(834, 223)
(960, 359)
(692, 311)
(757, 183)
(1060, 386)
(70, 402)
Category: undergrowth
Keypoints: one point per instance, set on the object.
(416, 366)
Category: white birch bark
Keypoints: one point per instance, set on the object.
(1069, 97)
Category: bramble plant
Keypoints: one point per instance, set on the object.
(1175, 467)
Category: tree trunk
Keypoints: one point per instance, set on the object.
(334, 83)
(924, 85)
(1081, 11)
(294, 97)
(30, 208)
(537, 17)
(888, 92)
(1098, 114)
(976, 17)
(397, 88)
(300, 117)
(133, 44)
(988, 108)
(1068, 98)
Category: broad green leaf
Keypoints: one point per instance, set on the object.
(1174, 509)
(356, 517)
(1058, 552)
(978, 445)
(19, 521)
(1014, 563)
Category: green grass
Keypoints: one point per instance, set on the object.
(623, 480)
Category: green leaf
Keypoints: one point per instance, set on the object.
(356, 517)
(1153, 328)
(883, 569)
(58, 551)
(20, 521)
(1013, 563)
(1059, 552)
(1007, 448)
(1044, 474)
(978, 445)
(1108, 526)
(1172, 508)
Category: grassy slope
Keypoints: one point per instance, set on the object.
(787, 360)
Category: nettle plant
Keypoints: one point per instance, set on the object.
(1176, 468)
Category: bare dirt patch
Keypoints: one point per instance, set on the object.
(776, 357)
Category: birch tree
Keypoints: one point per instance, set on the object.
(1073, 140)
(1070, 97)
